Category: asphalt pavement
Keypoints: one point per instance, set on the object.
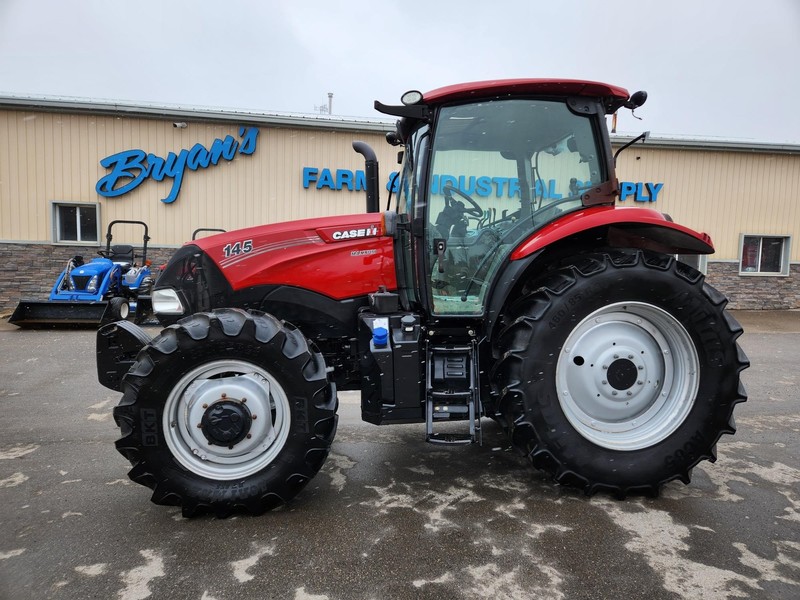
(390, 516)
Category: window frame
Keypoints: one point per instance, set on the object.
(785, 255)
(55, 213)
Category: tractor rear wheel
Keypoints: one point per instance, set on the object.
(226, 411)
(619, 371)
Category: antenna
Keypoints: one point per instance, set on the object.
(325, 109)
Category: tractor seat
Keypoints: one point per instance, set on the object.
(122, 253)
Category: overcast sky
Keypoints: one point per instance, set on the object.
(712, 68)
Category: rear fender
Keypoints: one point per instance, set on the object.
(585, 230)
(621, 227)
(141, 274)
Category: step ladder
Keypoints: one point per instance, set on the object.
(452, 392)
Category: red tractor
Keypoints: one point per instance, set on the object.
(505, 284)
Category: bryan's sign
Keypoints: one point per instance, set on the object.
(131, 168)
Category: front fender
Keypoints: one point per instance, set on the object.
(117, 345)
(624, 227)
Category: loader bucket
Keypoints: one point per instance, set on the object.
(34, 314)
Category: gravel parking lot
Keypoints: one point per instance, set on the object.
(390, 516)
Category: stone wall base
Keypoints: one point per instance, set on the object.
(754, 292)
(30, 270)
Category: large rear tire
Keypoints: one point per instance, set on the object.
(226, 411)
(619, 371)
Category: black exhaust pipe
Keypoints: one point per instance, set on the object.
(371, 173)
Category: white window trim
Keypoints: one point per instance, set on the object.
(785, 254)
(54, 213)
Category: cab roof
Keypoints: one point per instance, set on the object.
(613, 96)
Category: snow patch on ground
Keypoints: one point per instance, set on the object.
(421, 470)
(137, 580)
(17, 451)
(13, 481)
(335, 467)
(301, 594)
(663, 543)
(489, 581)
(431, 504)
(92, 570)
(241, 567)
(770, 569)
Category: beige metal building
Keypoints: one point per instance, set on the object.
(70, 167)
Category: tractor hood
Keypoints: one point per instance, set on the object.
(340, 257)
(97, 266)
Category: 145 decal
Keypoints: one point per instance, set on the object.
(238, 248)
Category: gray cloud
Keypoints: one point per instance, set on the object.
(717, 68)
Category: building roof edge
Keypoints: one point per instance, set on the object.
(186, 112)
(366, 124)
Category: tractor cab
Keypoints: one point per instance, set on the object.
(480, 175)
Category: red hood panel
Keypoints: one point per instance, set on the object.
(340, 257)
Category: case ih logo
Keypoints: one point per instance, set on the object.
(355, 233)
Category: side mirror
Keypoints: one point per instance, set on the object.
(389, 222)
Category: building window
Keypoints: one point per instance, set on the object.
(697, 261)
(764, 255)
(75, 222)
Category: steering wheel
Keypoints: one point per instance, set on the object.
(475, 210)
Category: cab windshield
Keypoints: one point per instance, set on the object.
(499, 170)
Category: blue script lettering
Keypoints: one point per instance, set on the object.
(131, 167)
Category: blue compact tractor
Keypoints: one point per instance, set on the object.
(105, 289)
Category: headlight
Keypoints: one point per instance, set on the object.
(92, 285)
(167, 302)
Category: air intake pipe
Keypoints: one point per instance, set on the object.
(371, 175)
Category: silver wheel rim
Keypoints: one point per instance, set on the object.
(627, 376)
(124, 310)
(237, 383)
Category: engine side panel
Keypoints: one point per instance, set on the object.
(340, 257)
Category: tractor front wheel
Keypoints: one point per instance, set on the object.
(119, 307)
(226, 411)
(619, 371)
